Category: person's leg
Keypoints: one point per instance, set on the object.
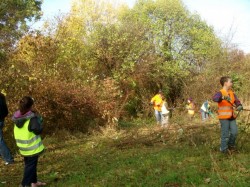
(4, 150)
(233, 133)
(203, 115)
(161, 117)
(224, 135)
(158, 117)
(206, 115)
(30, 175)
(166, 117)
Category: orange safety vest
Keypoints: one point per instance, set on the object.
(225, 108)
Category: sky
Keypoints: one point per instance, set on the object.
(229, 18)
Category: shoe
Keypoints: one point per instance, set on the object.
(38, 184)
(232, 149)
(8, 163)
(226, 151)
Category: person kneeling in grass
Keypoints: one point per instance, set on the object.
(27, 130)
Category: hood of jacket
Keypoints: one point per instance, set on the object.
(20, 119)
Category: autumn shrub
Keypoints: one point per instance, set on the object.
(96, 66)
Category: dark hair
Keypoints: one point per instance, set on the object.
(25, 104)
(224, 79)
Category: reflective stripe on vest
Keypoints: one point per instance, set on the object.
(225, 113)
(28, 143)
(225, 108)
(31, 148)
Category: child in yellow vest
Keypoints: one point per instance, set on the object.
(191, 108)
(27, 130)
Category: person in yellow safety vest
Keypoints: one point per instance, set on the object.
(157, 102)
(190, 107)
(226, 100)
(27, 130)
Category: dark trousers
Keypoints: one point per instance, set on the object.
(30, 175)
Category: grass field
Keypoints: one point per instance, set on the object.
(141, 155)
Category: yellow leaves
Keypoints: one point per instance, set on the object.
(32, 78)
(4, 92)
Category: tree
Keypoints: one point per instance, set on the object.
(14, 15)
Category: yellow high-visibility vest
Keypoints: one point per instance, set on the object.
(157, 101)
(29, 143)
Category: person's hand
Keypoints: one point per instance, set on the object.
(227, 98)
(239, 108)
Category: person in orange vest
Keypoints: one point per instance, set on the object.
(190, 107)
(226, 100)
(157, 102)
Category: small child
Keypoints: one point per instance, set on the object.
(226, 100)
(27, 130)
(191, 108)
(205, 109)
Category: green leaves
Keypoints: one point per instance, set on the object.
(13, 20)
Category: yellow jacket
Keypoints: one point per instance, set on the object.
(191, 108)
(157, 102)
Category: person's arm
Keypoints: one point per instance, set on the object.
(217, 97)
(36, 125)
(237, 101)
(152, 100)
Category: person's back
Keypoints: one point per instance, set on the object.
(3, 107)
(4, 150)
(27, 130)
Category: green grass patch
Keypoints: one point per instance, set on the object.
(98, 160)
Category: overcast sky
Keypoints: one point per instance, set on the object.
(228, 17)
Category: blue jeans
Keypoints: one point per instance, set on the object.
(158, 116)
(204, 115)
(228, 133)
(4, 150)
